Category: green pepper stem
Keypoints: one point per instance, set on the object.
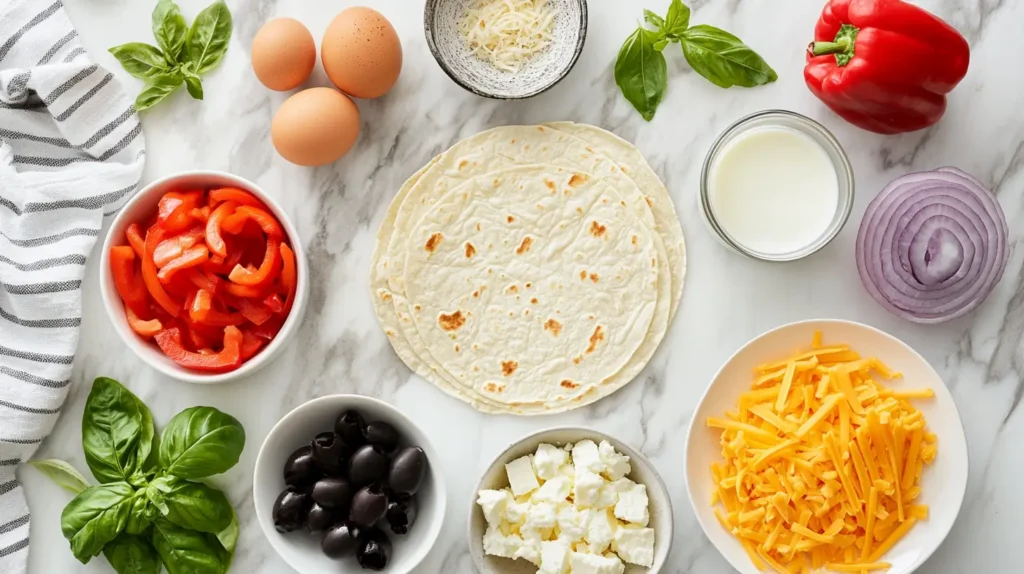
(823, 48)
(843, 46)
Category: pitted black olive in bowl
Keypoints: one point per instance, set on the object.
(351, 484)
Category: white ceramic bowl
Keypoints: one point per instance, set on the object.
(943, 483)
(660, 505)
(142, 207)
(300, 549)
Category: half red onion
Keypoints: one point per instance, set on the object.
(932, 245)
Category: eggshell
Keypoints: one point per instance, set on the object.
(283, 54)
(361, 53)
(315, 126)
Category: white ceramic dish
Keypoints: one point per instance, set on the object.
(943, 483)
(643, 473)
(142, 207)
(300, 549)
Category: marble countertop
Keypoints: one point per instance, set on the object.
(727, 300)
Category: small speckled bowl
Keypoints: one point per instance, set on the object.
(441, 23)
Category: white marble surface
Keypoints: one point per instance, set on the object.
(727, 300)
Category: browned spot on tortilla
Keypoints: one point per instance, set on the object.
(623, 202)
(566, 192)
(511, 219)
(596, 229)
(596, 338)
(554, 326)
(540, 128)
(491, 387)
(451, 322)
(417, 307)
(385, 296)
(511, 314)
(463, 164)
(476, 368)
(508, 367)
(457, 348)
(576, 360)
(432, 243)
(534, 300)
(526, 147)
(577, 180)
(470, 250)
(649, 202)
(478, 227)
(633, 240)
(540, 207)
(590, 149)
(528, 284)
(583, 275)
(569, 384)
(497, 182)
(526, 311)
(476, 293)
(513, 289)
(593, 277)
(525, 245)
(579, 210)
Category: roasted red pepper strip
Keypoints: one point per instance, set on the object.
(192, 257)
(144, 329)
(173, 247)
(229, 358)
(884, 65)
(265, 220)
(274, 303)
(136, 240)
(127, 280)
(201, 213)
(247, 291)
(269, 329)
(213, 237)
(204, 280)
(201, 311)
(174, 212)
(256, 313)
(267, 271)
(289, 277)
(149, 274)
(234, 223)
(241, 197)
(250, 344)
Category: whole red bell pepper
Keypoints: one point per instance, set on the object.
(884, 65)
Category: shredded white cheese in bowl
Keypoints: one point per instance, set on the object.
(507, 33)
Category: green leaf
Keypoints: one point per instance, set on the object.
(187, 551)
(653, 19)
(194, 86)
(201, 442)
(95, 517)
(62, 473)
(207, 39)
(139, 516)
(157, 88)
(196, 506)
(117, 429)
(641, 72)
(724, 59)
(677, 20)
(229, 536)
(169, 29)
(139, 59)
(129, 554)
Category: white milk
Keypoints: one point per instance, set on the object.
(774, 190)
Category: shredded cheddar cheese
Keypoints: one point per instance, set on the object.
(822, 463)
(507, 33)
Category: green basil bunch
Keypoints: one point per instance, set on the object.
(184, 54)
(149, 510)
(641, 72)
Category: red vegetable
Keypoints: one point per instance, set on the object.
(192, 257)
(885, 65)
(174, 212)
(144, 329)
(250, 344)
(136, 240)
(289, 279)
(265, 220)
(173, 247)
(267, 271)
(229, 358)
(127, 280)
(213, 236)
(236, 195)
(149, 274)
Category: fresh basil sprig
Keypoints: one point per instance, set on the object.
(149, 513)
(722, 58)
(182, 54)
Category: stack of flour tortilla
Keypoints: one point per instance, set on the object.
(530, 269)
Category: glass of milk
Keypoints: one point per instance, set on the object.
(776, 186)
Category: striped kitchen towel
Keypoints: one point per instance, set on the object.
(71, 152)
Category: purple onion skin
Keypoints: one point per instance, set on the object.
(932, 245)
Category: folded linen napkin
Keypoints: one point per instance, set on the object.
(71, 153)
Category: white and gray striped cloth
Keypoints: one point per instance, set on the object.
(71, 153)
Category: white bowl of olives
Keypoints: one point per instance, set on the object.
(344, 483)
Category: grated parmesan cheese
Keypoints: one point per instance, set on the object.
(507, 33)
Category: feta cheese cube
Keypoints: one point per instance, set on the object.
(541, 515)
(554, 491)
(601, 531)
(587, 488)
(548, 459)
(515, 512)
(616, 465)
(582, 563)
(568, 471)
(554, 557)
(568, 447)
(632, 505)
(521, 478)
(529, 551)
(635, 545)
(586, 456)
(622, 485)
(493, 503)
(571, 524)
(497, 544)
(607, 497)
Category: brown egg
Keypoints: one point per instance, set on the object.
(283, 54)
(315, 126)
(361, 53)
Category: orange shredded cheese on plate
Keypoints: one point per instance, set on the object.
(822, 463)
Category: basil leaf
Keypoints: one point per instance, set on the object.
(169, 29)
(207, 39)
(139, 59)
(95, 517)
(201, 442)
(197, 507)
(157, 88)
(677, 20)
(117, 430)
(62, 473)
(641, 73)
(724, 59)
(653, 19)
(187, 551)
(228, 537)
(129, 554)
(194, 86)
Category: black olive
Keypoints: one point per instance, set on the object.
(375, 551)
(319, 518)
(367, 465)
(382, 435)
(351, 427)
(333, 492)
(300, 469)
(342, 540)
(368, 505)
(290, 510)
(401, 515)
(408, 468)
(331, 453)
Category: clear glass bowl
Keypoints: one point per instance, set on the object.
(808, 127)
